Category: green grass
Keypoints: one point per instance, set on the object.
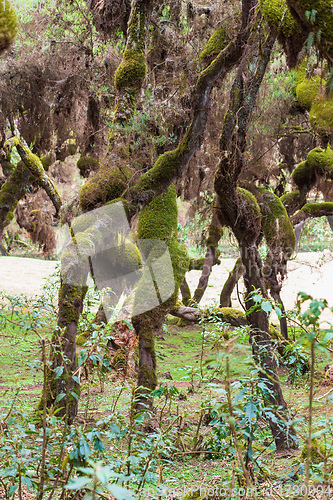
(180, 352)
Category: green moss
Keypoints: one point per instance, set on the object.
(215, 44)
(158, 220)
(251, 202)
(318, 452)
(229, 315)
(303, 175)
(317, 209)
(131, 72)
(278, 16)
(321, 160)
(86, 164)
(214, 235)
(307, 90)
(165, 169)
(126, 255)
(197, 264)
(119, 360)
(278, 230)
(107, 184)
(71, 299)
(289, 200)
(321, 115)
(8, 25)
(46, 161)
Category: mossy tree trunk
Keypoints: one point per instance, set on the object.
(238, 209)
(62, 390)
(11, 192)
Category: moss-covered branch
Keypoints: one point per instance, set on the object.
(131, 73)
(172, 163)
(34, 164)
(312, 210)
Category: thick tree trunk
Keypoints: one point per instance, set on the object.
(285, 437)
(62, 391)
(239, 210)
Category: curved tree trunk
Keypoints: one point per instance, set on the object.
(214, 235)
(239, 210)
(235, 274)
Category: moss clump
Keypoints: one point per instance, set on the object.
(46, 161)
(214, 235)
(304, 175)
(8, 25)
(229, 315)
(107, 184)
(317, 452)
(278, 16)
(307, 90)
(321, 115)
(321, 160)
(87, 164)
(158, 220)
(215, 44)
(291, 201)
(197, 264)
(131, 72)
(248, 204)
(119, 361)
(318, 163)
(278, 230)
(125, 255)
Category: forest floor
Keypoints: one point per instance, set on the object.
(198, 373)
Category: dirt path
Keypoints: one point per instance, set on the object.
(309, 272)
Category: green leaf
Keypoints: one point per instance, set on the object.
(12, 490)
(77, 483)
(26, 480)
(119, 492)
(58, 371)
(250, 412)
(328, 337)
(266, 306)
(60, 397)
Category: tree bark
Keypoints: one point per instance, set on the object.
(214, 235)
(228, 287)
(238, 209)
